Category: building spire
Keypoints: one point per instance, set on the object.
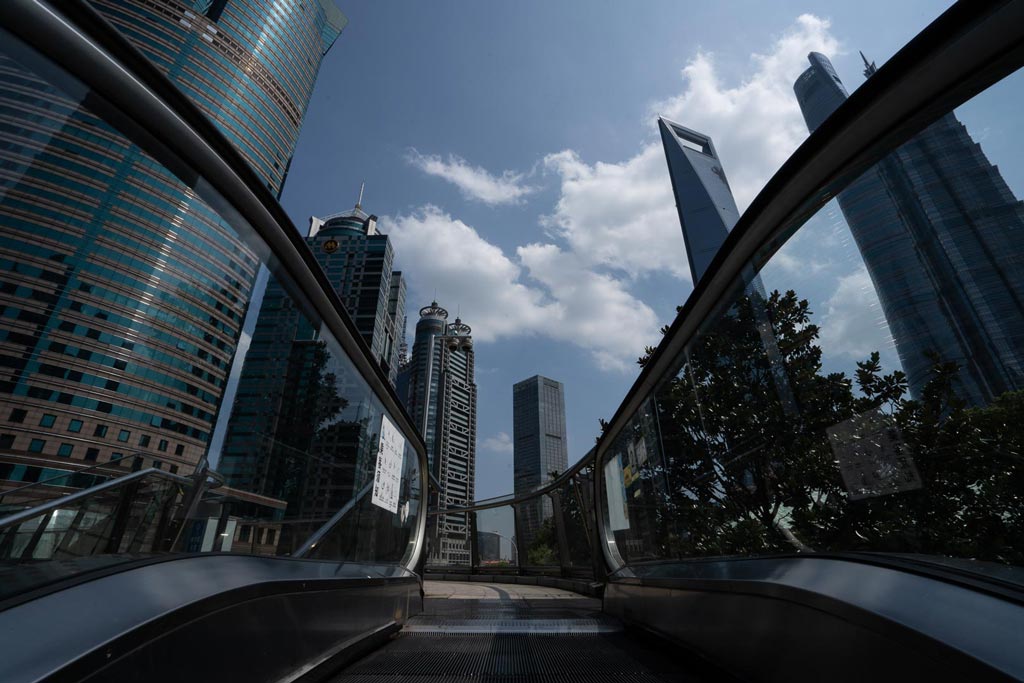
(869, 67)
(359, 202)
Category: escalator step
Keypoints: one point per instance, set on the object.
(511, 658)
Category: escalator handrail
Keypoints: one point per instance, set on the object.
(64, 501)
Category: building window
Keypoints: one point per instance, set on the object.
(91, 454)
(144, 441)
(101, 431)
(243, 533)
(47, 420)
(174, 469)
(36, 446)
(162, 446)
(17, 415)
(271, 536)
(179, 449)
(75, 426)
(123, 436)
(6, 440)
(65, 450)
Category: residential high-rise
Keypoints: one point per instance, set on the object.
(539, 445)
(95, 233)
(442, 402)
(289, 436)
(939, 231)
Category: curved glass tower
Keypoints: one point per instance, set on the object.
(124, 294)
(938, 229)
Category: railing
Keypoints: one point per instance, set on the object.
(551, 531)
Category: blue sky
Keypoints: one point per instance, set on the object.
(511, 152)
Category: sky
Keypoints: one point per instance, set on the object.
(511, 153)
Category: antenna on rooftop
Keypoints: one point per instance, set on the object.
(359, 202)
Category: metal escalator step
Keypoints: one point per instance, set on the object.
(511, 658)
(569, 626)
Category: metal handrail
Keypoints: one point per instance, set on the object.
(556, 483)
(332, 522)
(64, 501)
(115, 462)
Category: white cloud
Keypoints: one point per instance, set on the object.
(473, 181)
(556, 296)
(619, 215)
(757, 124)
(499, 443)
(623, 215)
(854, 325)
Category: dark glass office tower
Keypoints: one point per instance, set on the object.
(359, 262)
(441, 385)
(294, 439)
(539, 445)
(940, 233)
(83, 375)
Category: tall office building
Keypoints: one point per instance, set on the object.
(539, 445)
(939, 231)
(359, 262)
(92, 231)
(707, 214)
(441, 399)
(289, 436)
(704, 201)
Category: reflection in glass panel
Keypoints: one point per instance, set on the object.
(575, 500)
(879, 408)
(540, 546)
(125, 299)
(495, 538)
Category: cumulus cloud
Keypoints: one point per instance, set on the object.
(619, 215)
(541, 291)
(499, 443)
(756, 125)
(474, 182)
(622, 215)
(854, 325)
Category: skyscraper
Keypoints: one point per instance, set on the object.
(539, 444)
(939, 231)
(707, 214)
(442, 402)
(289, 435)
(83, 375)
(707, 210)
(359, 262)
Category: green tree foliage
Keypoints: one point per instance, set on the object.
(747, 467)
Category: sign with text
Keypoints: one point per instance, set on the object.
(387, 476)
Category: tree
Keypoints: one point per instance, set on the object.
(746, 466)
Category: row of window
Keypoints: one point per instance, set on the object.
(18, 416)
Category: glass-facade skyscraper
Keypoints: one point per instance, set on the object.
(84, 375)
(704, 201)
(938, 229)
(440, 382)
(539, 445)
(289, 436)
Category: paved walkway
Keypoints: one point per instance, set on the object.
(458, 590)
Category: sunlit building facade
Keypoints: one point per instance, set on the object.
(938, 229)
(85, 375)
(441, 398)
